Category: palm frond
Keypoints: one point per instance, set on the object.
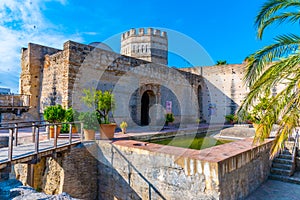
(270, 8)
(285, 46)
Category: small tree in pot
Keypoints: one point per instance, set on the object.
(71, 116)
(90, 124)
(54, 114)
(103, 103)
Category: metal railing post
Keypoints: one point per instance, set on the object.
(70, 134)
(81, 131)
(10, 144)
(33, 132)
(48, 131)
(16, 134)
(37, 139)
(55, 136)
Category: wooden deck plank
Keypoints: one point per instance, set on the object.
(27, 150)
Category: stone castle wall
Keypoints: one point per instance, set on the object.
(208, 93)
(223, 90)
(32, 64)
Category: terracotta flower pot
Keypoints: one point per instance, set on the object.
(89, 134)
(74, 129)
(51, 131)
(107, 131)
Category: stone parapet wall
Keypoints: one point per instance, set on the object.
(128, 169)
(229, 171)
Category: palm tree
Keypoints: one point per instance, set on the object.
(273, 65)
(221, 62)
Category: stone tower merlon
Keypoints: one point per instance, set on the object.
(150, 45)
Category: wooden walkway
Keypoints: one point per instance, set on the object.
(27, 153)
(32, 152)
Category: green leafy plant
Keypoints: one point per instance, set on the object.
(257, 112)
(89, 120)
(274, 65)
(231, 118)
(170, 118)
(102, 102)
(123, 125)
(71, 116)
(54, 114)
(221, 62)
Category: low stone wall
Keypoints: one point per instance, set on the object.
(133, 170)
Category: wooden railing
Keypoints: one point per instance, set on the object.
(36, 127)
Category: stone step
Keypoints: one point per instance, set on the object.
(278, 171)
(282, 166)
(289, 179)
(282, 161)
(285, 156)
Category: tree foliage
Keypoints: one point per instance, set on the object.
(275, 65)
(102, 102)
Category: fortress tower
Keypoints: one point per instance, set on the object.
(151, 45)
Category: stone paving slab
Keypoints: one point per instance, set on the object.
(276, 190)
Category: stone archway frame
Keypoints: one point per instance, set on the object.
(150, 77)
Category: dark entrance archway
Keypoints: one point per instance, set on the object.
(200, 102)
(148, 99)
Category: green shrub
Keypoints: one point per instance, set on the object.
(54, 114)
(170, 118)
(89, 120)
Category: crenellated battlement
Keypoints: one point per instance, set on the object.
(144, 32)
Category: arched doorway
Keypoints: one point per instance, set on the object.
(148, 99)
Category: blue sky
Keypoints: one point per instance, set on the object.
(224, 29)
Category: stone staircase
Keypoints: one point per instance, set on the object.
(283, 168)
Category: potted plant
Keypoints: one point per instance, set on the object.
(169, 118)
(71, 115)
(54, 114)
(123, 126)
(104, 103)
(90, 124)
(231, 118)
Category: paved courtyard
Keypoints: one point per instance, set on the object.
(276, 190)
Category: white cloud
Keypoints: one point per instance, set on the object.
(21, 22)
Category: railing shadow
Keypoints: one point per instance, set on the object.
(111, 176)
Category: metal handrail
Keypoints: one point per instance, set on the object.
(294, 151)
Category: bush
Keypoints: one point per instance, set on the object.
(231, 118)
(54, 114)
(170, 118)
(89, 120)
